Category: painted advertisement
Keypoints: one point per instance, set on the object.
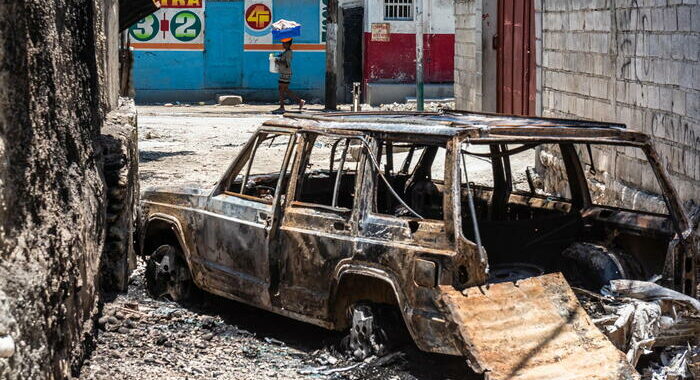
(178, 25)
(323, 19)
(257, 21)
(259, 15)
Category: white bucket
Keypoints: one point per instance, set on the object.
(273, 64)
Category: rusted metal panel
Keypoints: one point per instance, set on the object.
(533, 329)
(516, 57)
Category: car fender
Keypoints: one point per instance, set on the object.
(428, 329)
(381, 274)
(177, 229)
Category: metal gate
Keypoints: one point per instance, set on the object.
(516, 57)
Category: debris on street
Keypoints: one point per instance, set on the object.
(651, 324)
(411, 106)
(142, 338)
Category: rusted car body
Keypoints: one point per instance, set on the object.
(310, 243)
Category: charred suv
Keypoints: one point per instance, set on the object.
(474, 227)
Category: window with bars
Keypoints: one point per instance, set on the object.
(398, 9)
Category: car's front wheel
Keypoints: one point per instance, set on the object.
(167, 274)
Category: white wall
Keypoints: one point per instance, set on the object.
(438, 15)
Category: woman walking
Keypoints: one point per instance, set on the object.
(284, 66)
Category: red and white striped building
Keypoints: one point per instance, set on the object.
(389, 47)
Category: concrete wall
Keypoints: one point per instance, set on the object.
(634, 62)
(468, 55)
(393, 61)
(475, 57)
(628, 61)
(58, 81)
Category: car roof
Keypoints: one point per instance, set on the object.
(474, 125)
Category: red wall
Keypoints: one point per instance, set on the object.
(394, 61)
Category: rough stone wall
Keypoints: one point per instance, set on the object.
(468, 55)
(634, 62)
(119, 142)
(55, 70)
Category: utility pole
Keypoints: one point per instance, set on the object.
(331, 55)
(420, 97)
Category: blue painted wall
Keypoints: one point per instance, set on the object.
(224, 67)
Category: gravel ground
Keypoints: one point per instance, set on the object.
(143, 338)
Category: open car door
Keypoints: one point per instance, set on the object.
(531, 330)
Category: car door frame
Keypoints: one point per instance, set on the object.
(224, 206)
(314, 303)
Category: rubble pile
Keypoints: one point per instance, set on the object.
(411, 106)
(142, 338)
(657, 328)
(211, 338)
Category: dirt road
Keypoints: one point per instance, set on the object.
(143, 338)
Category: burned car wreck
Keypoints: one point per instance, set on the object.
(439, 216)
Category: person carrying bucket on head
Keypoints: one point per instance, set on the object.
(283, 62)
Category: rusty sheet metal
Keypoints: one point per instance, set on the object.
(531, 330)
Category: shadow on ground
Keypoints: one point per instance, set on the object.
(150, 155)
(412, 364)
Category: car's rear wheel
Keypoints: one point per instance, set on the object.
(592, 266)
(375, 329)
(167, 274)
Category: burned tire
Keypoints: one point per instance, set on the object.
(592, 266)
(374, 330)
(167, 274)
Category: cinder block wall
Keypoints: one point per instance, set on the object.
(634, 62)
(468, 55)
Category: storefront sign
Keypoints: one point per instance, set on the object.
(324, 20)
(181, 3)
(257, 19)
(178, 25)
(258, 16)
(381, 32)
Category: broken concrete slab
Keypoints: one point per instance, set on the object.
(230, 100)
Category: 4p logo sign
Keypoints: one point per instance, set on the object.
(258, 16)
(146, 29)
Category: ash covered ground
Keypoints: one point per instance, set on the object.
(214, 338)
(211, 337)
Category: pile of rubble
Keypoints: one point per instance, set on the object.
(212, 338)
(656, 327)
(411, 106)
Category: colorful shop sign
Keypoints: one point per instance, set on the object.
(178, 25)
(258, 16)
